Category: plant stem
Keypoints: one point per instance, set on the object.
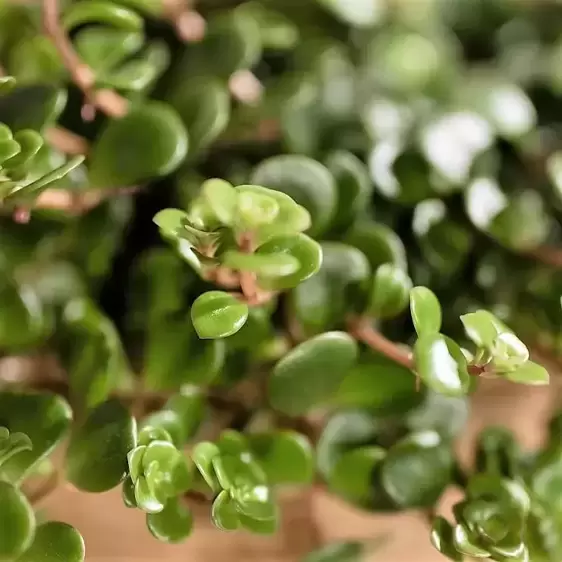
(547, 255)
(83, 76)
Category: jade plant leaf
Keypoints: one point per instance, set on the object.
(426, 311)
(216, 314)
(224, 514)
(55, 541)
(96, 459)
(43, 417)
(17, 522)
(173, 524)
(348, 551)
(149, 141)
(319, 364)
(307, 181)
(390, 292)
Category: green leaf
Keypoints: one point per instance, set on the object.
(286, 456)
(390, 292)
(232, 442)
(97, 454)
(417, 470)
(222, 199)
(204, 108)
(425, 310)
(462, 542)
(274, 264)
(352, 475)
(260, 526)
(441, 364)
(529, 373)
(379, 384)
(348, 551)
(290, 218)
(379, 243)
(308, 182)
(53, 542)
(319, 365)
(100, 12)
(17, 522)
(202, 455)
(254, 502)
(238, 471)
(128, 494)
(508, 352)
(171, 221)
(32, 107)
(353, 185)
(255, 210)
(216, 314)
(149, 141)
(223, 513)
(173, 524)
(134, 461)
(44, 418)
(148, 434)
(303, 250)
(13, 444)
(442, 539)
(497, 452)
(482, 327)
(104, 48)
(343, 431)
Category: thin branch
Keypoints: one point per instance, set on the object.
(362, 330)
(83, 76)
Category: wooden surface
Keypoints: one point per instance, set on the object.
(114, 533)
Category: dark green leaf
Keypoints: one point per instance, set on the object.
(97, 454)
(417, 470)
(173, 524)
(319, 365)
(54, 542)
(463, 543)
(17, 522)
(442, 539)
(101, 12)
(308, 182)
(149, 141)
(44, 418)
(286, 456)
(216, 314)
(349, 551)
(260, 526)
(390, 292)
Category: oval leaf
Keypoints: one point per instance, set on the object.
(54, 542)
(426, 311)
(216, 314)
(173, 524)
(17, 522)
(390, 292)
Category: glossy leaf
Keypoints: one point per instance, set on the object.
(216, 314)
(425, 310)
(97, 454)
(417, 470)
(99, 11)
(308, 182)
(529, 373)
(45, 418)
(149, 141)
(275, 264)
(390, 292)
(442, 539)
(17, 520)
(173, 524)
(55, 541)
(223, 513)
(255, 502)
(203, 455)
(320, 364)
(222, 199)
(286, 456)
(441, 364)
(348, 551)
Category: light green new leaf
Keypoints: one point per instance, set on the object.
(319, 365)
(149, 141)
(96, 459)
(202, 455)
(529, 373)
(222, 199)
(223, 513)
(170, 220)
(216, 314)
(390, 292)
(482, 327)
(441, 364)
(425, 310)
(275, 264)
(53, 542)
(17, 522)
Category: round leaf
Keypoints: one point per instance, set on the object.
(306, 252)
(308, 182)
(274, 264)
(54, 542)
(216, 314)
(97, 454)
(390, 292)
(255, 502)
(286, 457)
(529, 373)
(442, 539)
(222, 199)
(417, 470)
(441, 364)
(318, 365)
(149, 141)
(426, 311)
(202, 455)
(223, 513)
(173, 524)
(17, 522)
(349, 551)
